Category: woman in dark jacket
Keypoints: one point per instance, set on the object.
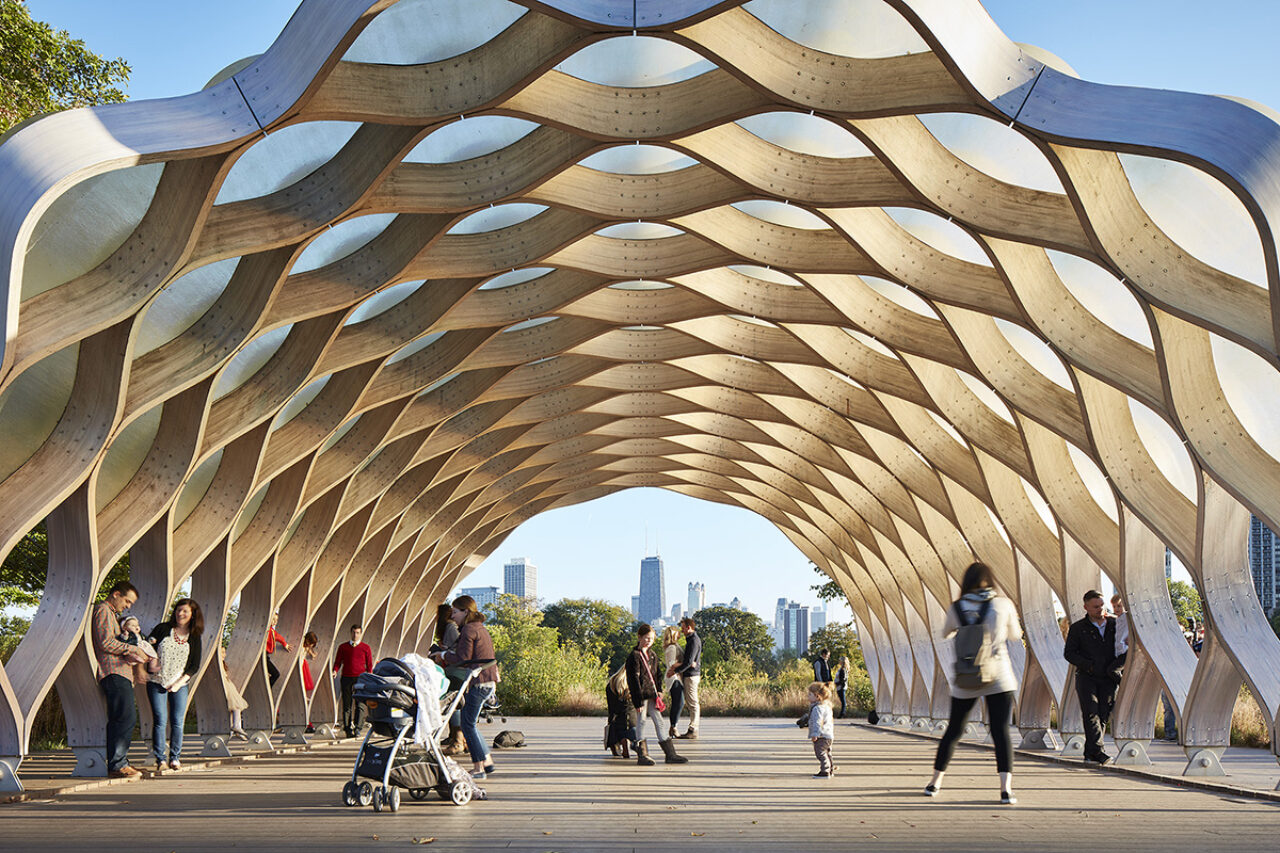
(642, 681)
(622, 717)
(177, 643)
(474, 644)
(446, 636)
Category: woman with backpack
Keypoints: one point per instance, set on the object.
(982, 622)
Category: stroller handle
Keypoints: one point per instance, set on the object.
(476, 665)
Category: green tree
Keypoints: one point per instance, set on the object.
(26, 568)
(727, 632)
(1186, 602)
(828, 590)
(842, 641)
(601, 629)
(43, 70)
(538, 676)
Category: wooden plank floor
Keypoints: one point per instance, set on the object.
(748, 787)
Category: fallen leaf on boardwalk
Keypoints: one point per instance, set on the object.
(375, 838)
(697, 834)
(546, 832)
(755, 821)
(424, 840)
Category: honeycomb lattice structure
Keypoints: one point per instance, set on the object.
(322, 334)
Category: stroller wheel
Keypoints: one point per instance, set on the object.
(418, 793)
(350, 793)
(393, 799)
(460, 793)
(365, 796)
(379, 797)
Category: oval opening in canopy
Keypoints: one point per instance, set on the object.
(413, 32)
(867, 29)
(805, 134)
(635, 62)
(469, 138)
(637, 160)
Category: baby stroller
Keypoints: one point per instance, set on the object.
(388, 755)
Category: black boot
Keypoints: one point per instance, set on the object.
(669, 749)
(642, 755)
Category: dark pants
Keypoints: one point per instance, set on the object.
(122, 716)
(999, 711)
(272, 672)
(677, 701)
(840, 695)
(352, 719)
(1097, 696)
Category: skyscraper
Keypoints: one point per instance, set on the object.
(677, 612)
(736, 604)
(795, 627)
(520, 577)
(635, 606)
(817, 619)
(483, 595)
(1264, 557)
(697, 597)
(653, 589)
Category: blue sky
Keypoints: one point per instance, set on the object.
(1225, 47)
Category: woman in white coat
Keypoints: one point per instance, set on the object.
(978, 598)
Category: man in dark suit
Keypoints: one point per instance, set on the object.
(1091, 649)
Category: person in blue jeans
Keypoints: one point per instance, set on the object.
(474, 644)
(177, 643)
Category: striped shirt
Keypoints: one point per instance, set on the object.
(112, 654)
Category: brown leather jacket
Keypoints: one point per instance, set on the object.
(474, 643)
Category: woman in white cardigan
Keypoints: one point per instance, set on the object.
(978, 597)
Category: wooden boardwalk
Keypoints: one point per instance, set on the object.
(748, 787)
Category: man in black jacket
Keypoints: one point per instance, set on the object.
(822, 667)
(1091, 649)
(690, 672)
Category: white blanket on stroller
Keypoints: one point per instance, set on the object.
(428, 681)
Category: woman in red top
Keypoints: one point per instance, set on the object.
(474, 644)
(273, 637)
(309, 643)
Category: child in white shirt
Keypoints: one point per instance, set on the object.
(821, 728)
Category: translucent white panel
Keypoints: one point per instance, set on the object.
(383, 300)
(341, 240)
(125, 455)
(416, 346)
(873, 343)
(1199, 214)
(1095, 481)
(638, 160)
(765, 274)
(299, 401)
(246, 362)
(339, 433)
(417, 31)
(284, 157)
(941, 234)
(85, 224)
(1041, 507)
(32, 406)
(1036, 352)
(900, 295)
(1165, 447)
(998, 524)
(639, 231)
(984, 393)
(182, 303)
(779, 213)
(994, 148)
(250, 510)
(862, 28)
(498, 216)
(637, 284)
(755, 321)
(507, 279)
(641, 328)
(948, 428)
(469, 138)
(195, 487)
(528, 324)
(1103, 295)
(1252, 389)
(635, 61)
(806, 134)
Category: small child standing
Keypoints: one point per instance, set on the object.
(821, 728)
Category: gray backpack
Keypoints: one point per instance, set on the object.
(975, 652)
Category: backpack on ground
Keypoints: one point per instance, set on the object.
(508, 739)
(975, 652)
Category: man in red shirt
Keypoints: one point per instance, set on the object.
(352, 660)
